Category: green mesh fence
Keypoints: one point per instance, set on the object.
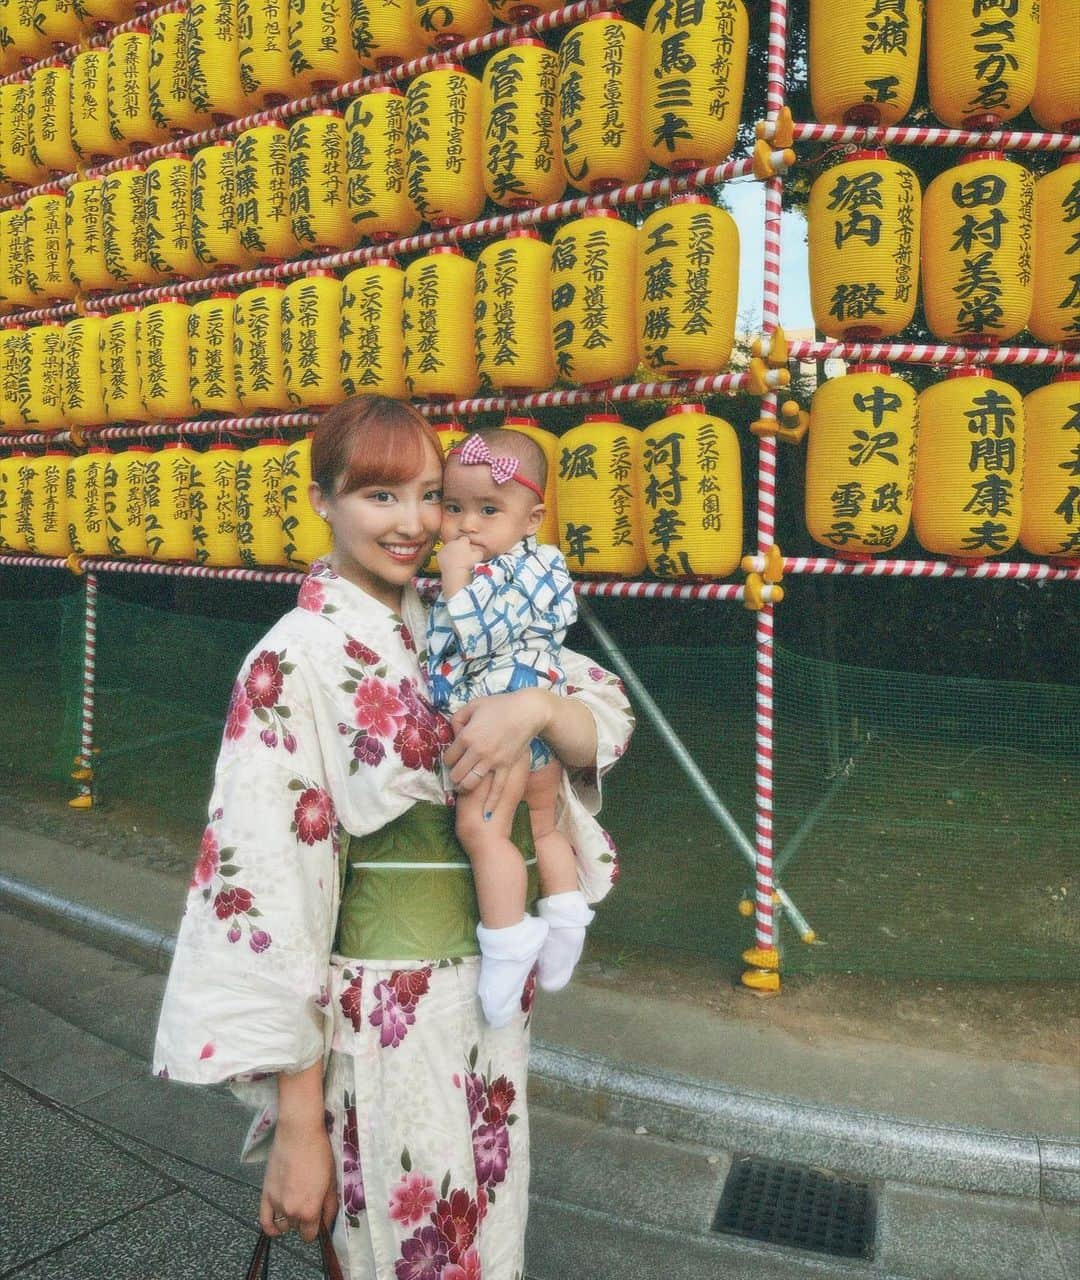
(924, 825)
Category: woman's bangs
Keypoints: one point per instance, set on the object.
(389, 452)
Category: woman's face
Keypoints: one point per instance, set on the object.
(383, 533)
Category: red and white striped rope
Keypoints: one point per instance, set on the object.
(777, 57)
(924, 136)
(97, 41)
(496, 39)
(989, 570)
(23, 560)
(86, 726)
(711, 384)
(483, 228)
(924, 353)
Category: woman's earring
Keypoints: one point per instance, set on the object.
(322, 515)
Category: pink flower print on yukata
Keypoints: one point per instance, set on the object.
(423, 1256)
(412, 1199)
(238, 714)
(353, 1200)
(466, 1268)
(208, 861)
(397, 998)
(232, 904)
(263, 686)
(312, 597)
(456, 1218)
(350, 999)
(491, 1116)
(313, 817)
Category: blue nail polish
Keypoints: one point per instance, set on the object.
(487, 817)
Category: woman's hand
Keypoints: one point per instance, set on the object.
(489, 736)
(491, 733)
(300, 1185)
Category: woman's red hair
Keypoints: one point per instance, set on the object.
(370, 440)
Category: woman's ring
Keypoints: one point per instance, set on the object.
(281, 1217)
(479, 772)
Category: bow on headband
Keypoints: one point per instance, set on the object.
(475, 452)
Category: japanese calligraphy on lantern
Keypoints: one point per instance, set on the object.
(981, 59)
(520, 145)
(1050, 520)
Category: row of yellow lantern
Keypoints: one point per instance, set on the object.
(997, 250)
(619, 500)
(223, 506)
(521, 317)
(592, 115)
(973, 465)
(987, 61)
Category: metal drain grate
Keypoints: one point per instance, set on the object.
(796, 1205)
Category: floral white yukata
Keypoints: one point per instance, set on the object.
(330, 730)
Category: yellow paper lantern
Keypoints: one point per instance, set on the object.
(600, 73)
(128, 78)
(24, 30)
(594, 315)
(549, 528)
(977, 232)
(262, 194)
(1055, 307)
(14, 255)
(48, 272)
(439, 357)
(860, 462)
(120, 367)
(519, 113)
(262, 537)
(307, 538)
(513, 314)
(379, 202)
(50, 119)
(864, 218)
(169, 243)
(1056, 102)
(265, 70)
(16, 162)
(59, 21)
(319, 183)
(14, 376)
(689, 481)
(1050, 520)
(321, 53)
(864, 64)
(213, 355)
(84, 220)
(41, 403)
(169, 81)
(969, 472)
(372, 337)
(51, 536)
(83, 387)
(443, 165)
(213, 498)
(167, 515)
(694, 70)
(260, 364)
(99, 14)
(213, 47)
(125, 491)
(311, 340)
(88, 530)
(215, 231)
(125, 224)
(164, 362)
(981, 60)
(687, 287)
(17, 511)
(448, 22)
(600, 529)
(90, 135)
(385, 34)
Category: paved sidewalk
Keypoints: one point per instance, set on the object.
(106, 1173)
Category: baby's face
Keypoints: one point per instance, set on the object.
(492, 516)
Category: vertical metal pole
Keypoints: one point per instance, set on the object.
(84, 772)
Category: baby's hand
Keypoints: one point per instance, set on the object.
(458, 557)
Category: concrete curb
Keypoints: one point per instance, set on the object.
(684, 1109)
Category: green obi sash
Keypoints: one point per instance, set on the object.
(407, 889)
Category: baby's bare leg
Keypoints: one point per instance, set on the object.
(498, 868)
(554, 853)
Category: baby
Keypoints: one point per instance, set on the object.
(497, 626)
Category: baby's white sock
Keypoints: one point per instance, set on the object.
(506, 956)
(567, 914)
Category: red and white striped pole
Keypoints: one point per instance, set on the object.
(763, 957)
(84, 771)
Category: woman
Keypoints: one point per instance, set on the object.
(326, 964)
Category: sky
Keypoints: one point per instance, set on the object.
(746, 198)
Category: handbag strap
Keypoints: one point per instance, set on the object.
(259, 1268)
